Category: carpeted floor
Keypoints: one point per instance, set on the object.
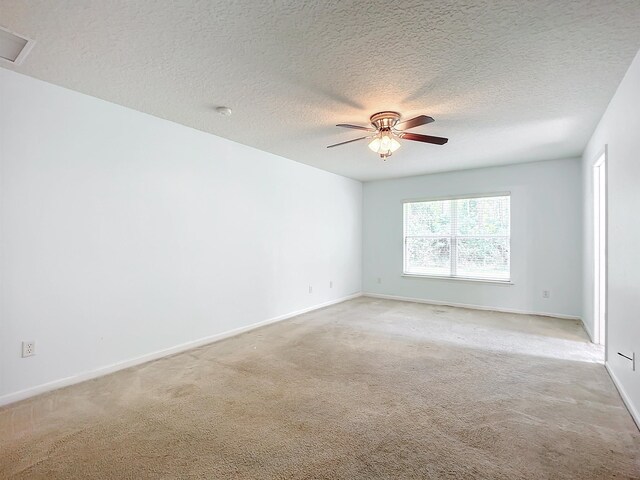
(365, 389)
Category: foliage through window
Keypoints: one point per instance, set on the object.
(459, 237)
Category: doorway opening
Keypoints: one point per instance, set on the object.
(600, 249)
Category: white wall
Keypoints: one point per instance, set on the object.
(124, 234)
(619, 129)
(546, 229)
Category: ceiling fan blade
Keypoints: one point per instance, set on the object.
(357, 127)
(424, 138)
(348, 141)
(414, 122)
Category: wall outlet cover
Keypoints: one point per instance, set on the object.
(28, 348)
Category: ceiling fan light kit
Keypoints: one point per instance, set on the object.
(384, 144)
(386, 129)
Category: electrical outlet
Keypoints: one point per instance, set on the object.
(28, 348)
(379, 280)
(310, 289)
(546, 294)
(330, 283)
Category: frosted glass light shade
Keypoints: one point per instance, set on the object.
(384, 144)
(374, 145)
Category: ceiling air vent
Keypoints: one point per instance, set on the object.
(13, 48)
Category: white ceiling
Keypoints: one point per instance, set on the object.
(506, 81)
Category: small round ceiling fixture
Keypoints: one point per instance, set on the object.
(224, 111)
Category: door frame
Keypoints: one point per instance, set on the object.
(599, 171)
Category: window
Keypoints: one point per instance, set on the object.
(458, 238)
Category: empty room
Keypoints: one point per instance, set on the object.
(319, 239)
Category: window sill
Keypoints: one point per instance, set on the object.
(459, 279)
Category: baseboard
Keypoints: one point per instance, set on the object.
(623, 394)
(587, 329)
(99, 372)
(466, 305)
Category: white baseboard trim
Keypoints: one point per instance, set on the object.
(587, 329)
(623, 394)
(465, 305)
(101, 371)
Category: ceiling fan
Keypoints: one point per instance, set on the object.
(387, 128)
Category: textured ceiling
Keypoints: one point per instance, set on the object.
(506, 81)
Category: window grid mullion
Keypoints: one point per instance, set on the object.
(453, 242)
(457, 236)
(404, 240)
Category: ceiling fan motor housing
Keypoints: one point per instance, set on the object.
(384, 120)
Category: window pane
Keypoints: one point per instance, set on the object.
(479, 227)
(483, 216)
(428, 218)
(428, 256)
(483, 258)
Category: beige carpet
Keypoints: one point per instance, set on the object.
(365, 389)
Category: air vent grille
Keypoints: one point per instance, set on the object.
(13, 48)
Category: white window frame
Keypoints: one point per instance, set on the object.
(453, 247)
